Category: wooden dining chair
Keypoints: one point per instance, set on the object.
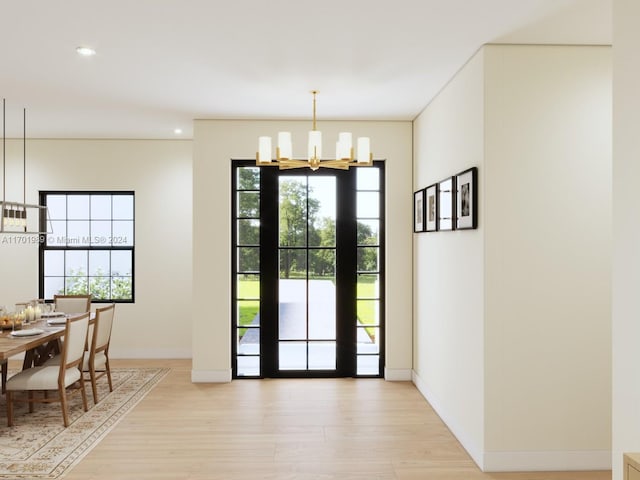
(72, 303)
(66, 375)
(68, 304)
(96, 362)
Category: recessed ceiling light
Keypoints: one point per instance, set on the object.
(177, 131)
(85, 51)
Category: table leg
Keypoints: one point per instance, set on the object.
(5, 371)
(29, 358)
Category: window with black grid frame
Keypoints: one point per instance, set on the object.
(89, 245)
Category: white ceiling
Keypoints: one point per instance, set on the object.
(162, 63)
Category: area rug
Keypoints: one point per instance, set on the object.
(38, 446)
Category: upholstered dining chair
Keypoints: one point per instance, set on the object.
(66, 375)
(72, 303)
(96, 357)
(69, 304)
(96, 360)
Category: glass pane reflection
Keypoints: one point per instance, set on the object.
(248, 366)
(249, 259)
(368, 340)
(368, 312)
(322, 211)
(248, 178)
(78, 207)
(322, 355)
(294, 212)
(249, 232)
(101, 207)
(368, 205)
(293, 263)
(368, 365)
(368, 232)
(122, 207)
(368, 178)
(292, 355)
(248, 204)
(367, 259)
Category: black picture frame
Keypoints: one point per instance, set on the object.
(467, 199)
(447, 204)
(418, 211)
(431, 208)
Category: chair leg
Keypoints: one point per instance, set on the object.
(108, 367)
(9, 409)
(94, 387)
(63, 403)
(30, 396)
(84, 395)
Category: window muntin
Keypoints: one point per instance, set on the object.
(90, 245)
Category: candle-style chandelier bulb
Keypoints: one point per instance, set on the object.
(345, 156)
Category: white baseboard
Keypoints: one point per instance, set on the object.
(523, 461)
(151, 353)
(547, 461)
(475, 451)
(211, 376)
(397, 374)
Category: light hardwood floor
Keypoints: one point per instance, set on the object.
(284, 429)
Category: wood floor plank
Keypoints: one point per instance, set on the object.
(323, 429)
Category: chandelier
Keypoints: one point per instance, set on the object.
(14, 214)
(344, 158)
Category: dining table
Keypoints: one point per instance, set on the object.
(37, 341)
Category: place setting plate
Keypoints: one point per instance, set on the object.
(52, 314)
(57, 321)
(28, 332)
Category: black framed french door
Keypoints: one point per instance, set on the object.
(308, 272)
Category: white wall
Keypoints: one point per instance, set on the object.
(158, 324)
(448, 278)
(513, 346)
(547, 257)
(626, 232)
(216, 143)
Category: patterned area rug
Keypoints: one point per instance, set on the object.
(38, 446)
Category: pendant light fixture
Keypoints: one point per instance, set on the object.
(14, 218)
(345, 155)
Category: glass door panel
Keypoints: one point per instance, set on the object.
(322, 295)
(307, 285)
(246, 285)
(322, 355)
(368, 288)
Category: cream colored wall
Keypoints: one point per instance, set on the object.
(448, 279)
(512, 321)
(547, 257)
(626, 232)
(158, 324)
(216, 143)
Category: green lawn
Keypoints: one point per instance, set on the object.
(248, 309)
(366, 309)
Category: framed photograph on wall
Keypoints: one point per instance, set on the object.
(446, 204)
(418, 211)
(431, 208)
(467, 199)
